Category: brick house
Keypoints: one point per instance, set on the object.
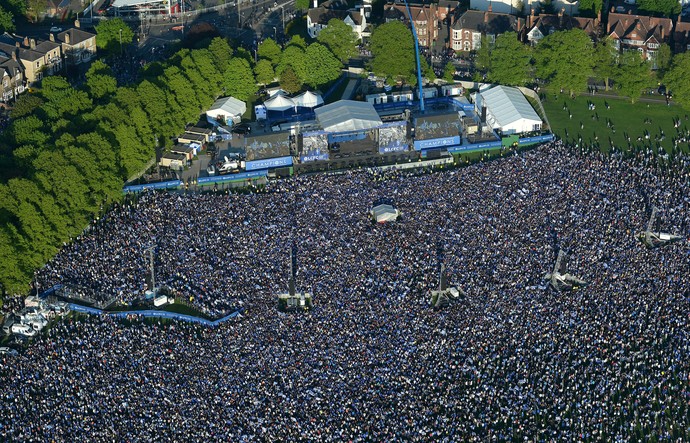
(426, 19)
(641, 33)
(468, 30)
(539, 26)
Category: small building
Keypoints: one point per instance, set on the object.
(226, 110)
(187, 151)
(347, 115)
(189, 137)
(452, 90)
(206, 132)
(173, 161)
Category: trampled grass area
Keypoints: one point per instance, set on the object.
(635, 120)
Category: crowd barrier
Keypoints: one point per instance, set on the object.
(154, 314)
(161, 185)
(537, 139)
(203, 181)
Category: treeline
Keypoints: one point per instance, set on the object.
(68, 151)
(567, 60)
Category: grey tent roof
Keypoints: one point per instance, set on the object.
(508, 105)
(347, 115)
(383, 213)
(231, 105)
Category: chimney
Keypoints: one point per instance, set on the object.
(67, 38)
(26, 41)
(613, 9)
(32, 43)
(519, 24)
(629, 11)
(490, 8)
(14, 55)
(599, 17)
(52, 37)
(663, 32)
(77, 23)
(316, 4)
(486, 16)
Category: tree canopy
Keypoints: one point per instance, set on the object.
(659, 7)
(633, 75)
(339, 38)
(322, 66)
(109, 33)
(677, 79)
(392, 50)
(565, 59)
(510, 61)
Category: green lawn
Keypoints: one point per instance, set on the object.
(625, 117)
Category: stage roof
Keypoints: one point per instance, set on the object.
(347, 115)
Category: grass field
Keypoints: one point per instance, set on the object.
(626, 118)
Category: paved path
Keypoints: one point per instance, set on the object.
(349, 89)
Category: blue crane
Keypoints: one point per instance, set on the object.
(416, 53)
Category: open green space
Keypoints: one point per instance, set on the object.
(634, 120)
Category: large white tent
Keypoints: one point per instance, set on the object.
(279, 103)
(347, 115)
(507, 109)
(308, 99)
(227, 108)
(384, 213)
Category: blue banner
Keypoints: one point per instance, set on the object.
(269, 163)
(231, 177)
(392, 148)
(161, 185)
(159, 314)
(312, 157)
(474, 147)
(436, 143)
(537, 139)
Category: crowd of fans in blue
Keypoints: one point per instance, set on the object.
(511, 361)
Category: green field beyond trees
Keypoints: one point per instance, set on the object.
(625, 118)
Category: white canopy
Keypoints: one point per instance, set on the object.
(384, 213)
(279, 103)
(347, 115)
(308, 99)
(508, 110)
(227, 106)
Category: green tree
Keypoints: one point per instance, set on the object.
(293, 56)
(221, 52)
(289, 80)
(633, 75)
(6, 20)
(270, 50)
(392, 50)
(298, 40)
(510, 61)
(339, 38)
(483, 59)
(239, 79)
(449, 72)
(29, 130)
(659, 7)
(565, 59)
(100, 81)
(111, 33)
(605, 61)
(322, 66)
(301, 5)
(62, 100)
(663, 59)
(25, 105)
(264, 72)
(677, 79)
(590, 8)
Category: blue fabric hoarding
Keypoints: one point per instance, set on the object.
(474, 147)
(269, 163)
(392, 148)
(161, 185)
(533, 140)
(436, 143)
(156, 314)
(231, 177)
(313, 156)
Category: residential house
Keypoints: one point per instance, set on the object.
(539, 26)
(78, 46)
(29, 58)
(681, 36)
(468, 30)
(12, 74)
(425, 16)
(319, 16)
(641, 33)
(510, 6)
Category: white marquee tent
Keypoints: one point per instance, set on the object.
(384, 213)
(507, 109)
(227, 108)
(308, 99)
(279, 103)
(347, 115)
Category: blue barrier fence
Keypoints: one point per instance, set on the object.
(161, 185)
(231, 177)
(537, 139)
(154, 314)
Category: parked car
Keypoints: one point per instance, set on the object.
(242, 129)
(56, 29)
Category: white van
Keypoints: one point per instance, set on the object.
(23, 330)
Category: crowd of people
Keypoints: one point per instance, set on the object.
(511, 361)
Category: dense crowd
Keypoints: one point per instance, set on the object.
(512, 361)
